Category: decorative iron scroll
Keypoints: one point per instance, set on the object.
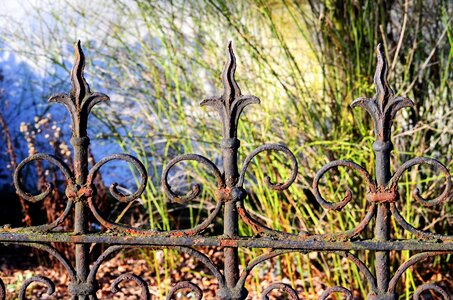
(382, 195)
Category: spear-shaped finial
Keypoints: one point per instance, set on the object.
(231, 88)
(80, 100)
(80, 87)
(384, 106)
(231, 103)
(383, 90)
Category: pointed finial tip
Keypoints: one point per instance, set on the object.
(231, 57)
(79, 86)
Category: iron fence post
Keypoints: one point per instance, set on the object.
(231, 265)
(79, 103)
(382, 151)
(383, 108)
(80, 144)
(229, 107)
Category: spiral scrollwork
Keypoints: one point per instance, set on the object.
(430, 287)
(428, 161)
(341, 163)
(393, 185)
(142, 185)
(338, 206)
(144, 291)
(276, 148)
(292, 294)
(41, 279)
(336, 289)
(113, 188)
(49, 187)
(256, 226)
(185, 285)
(173, 196)
(53, 160)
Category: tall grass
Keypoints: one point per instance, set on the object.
(306, 61)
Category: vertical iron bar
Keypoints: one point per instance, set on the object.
(80, 145)
(382, 151)
(230, 106)
(382, 108)
(79, 103)
(229, 152)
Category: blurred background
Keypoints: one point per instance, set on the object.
(306, 61)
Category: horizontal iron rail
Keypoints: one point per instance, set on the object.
(220, 241)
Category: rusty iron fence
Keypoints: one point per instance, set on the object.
(382, 196)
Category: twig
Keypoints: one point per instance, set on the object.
(400, 40)
(13, 161)
(425, 64)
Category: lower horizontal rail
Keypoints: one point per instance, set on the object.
(220, 241)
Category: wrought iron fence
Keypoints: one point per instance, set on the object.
(382, 195)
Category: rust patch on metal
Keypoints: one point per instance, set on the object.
(228, 243)
(177, 233)
(223, 194)
(383, 197)
(244, 216)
